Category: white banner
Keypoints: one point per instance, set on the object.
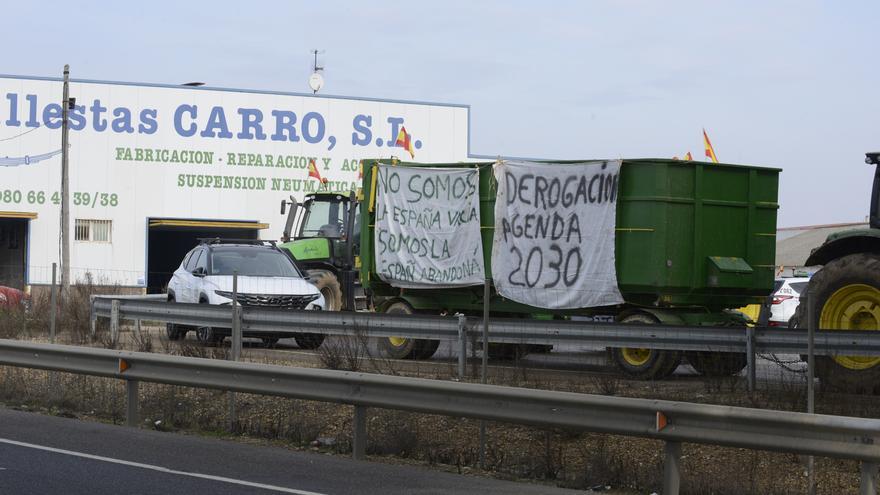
(554, 234)
(428, 227)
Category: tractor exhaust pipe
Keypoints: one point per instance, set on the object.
(288, 226)
(873, 158)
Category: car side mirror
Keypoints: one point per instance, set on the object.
(200, 272)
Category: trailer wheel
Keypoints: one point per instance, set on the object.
(328, 284)
(717, 364)
(644, 364)
(846, 293)
(308, 340)
(508, 352)
(405, 347)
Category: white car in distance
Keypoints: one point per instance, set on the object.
(267, 277)
(786, 298)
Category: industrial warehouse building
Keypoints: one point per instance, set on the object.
(154, 167)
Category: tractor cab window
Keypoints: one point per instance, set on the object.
(324, 218)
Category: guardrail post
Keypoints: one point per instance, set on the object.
(359, 433)
(114, 321)
(235, 350)
(750, 357)
(236, 319)
(811, 387)
(671, 468)
(93, 317)
(137, 328)
(868, 483)
(484, 370)
(462, 345)
(131, 402)
(52, 303)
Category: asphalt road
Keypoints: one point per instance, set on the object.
(46, 454)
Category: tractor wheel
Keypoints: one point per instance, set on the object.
(328, 284)
(716, 364)
(846, 294)
(405, 347)
(644, 364)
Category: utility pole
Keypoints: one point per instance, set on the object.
(65, 185)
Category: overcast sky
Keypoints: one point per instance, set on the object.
(791, 84)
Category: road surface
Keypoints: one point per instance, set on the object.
(47, 454)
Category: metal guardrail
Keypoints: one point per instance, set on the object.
(502, 330)
(672, 422)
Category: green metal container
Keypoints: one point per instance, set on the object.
(689, 234)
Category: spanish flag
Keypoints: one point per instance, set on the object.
(313, 171)
(710, 152)
(404, 141)
(689, 157)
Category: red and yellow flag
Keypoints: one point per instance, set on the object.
(688, 156)
(710, 152)
(404, 141)
(313, 171)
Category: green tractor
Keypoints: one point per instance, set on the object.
(323, 236)
(846, 296)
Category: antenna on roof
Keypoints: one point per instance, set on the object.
(316, 80)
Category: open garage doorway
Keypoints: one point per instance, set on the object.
(168, 240)
(14, 248)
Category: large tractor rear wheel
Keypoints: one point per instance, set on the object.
(644, 364)
(846, 294)
(406, 347)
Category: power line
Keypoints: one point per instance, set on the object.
(19, 135)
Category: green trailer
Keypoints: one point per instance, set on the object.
(693, 239)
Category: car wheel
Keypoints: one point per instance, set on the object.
(173, 330)
(208, 335)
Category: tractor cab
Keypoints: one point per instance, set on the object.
(323, 236)
(323, 229)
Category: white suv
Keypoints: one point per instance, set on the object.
(266, 277)
(786, 298)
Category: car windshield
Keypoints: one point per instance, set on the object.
(777, 284)
(252, 262)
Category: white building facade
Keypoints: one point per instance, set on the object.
(152, 167)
